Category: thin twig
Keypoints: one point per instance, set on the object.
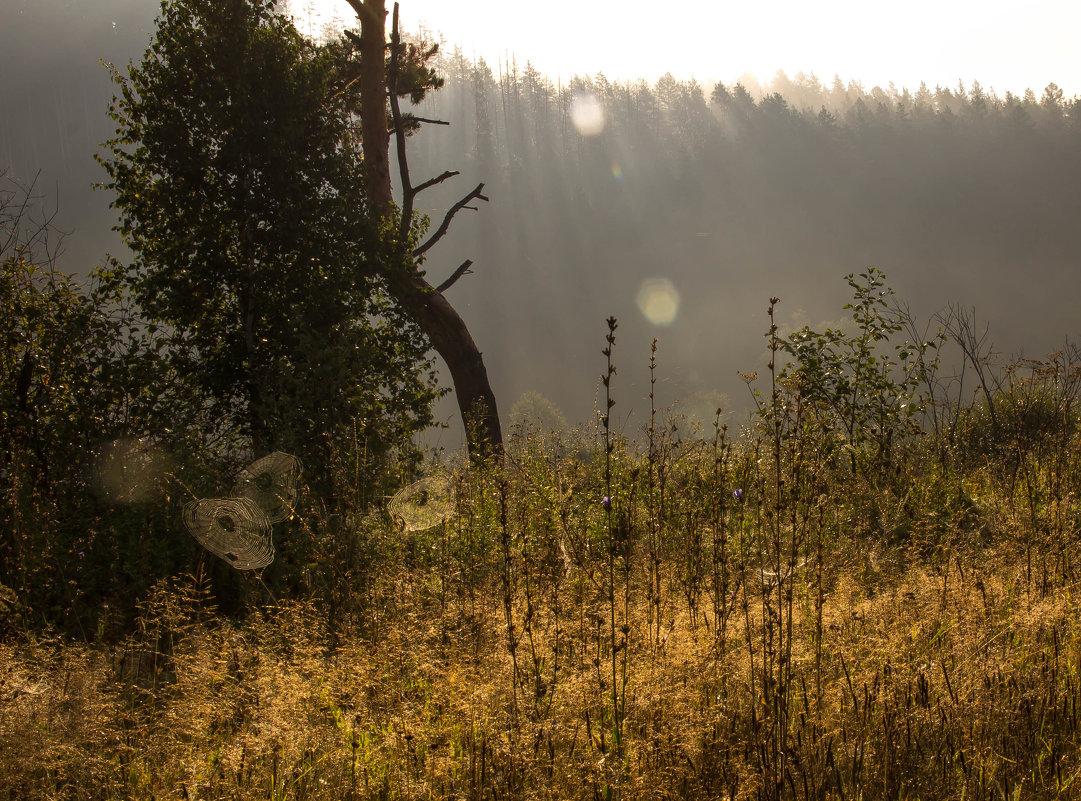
(408, 192)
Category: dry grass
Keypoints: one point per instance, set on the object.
(933, 685)
(762, 620)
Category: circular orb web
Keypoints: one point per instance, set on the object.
(233, 529)
(658, 300)
(423, 504)
(272, 483)
(587, 114)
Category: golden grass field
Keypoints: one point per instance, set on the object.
(914, 638)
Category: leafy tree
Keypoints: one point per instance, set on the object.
(240, 189)
(1053, 98)
(535, 417)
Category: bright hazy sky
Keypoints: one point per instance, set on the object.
(1005, 45)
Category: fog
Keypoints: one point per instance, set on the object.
(730, 197)
(54, 99)
(676, 207)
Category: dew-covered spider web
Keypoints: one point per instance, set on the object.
(272, 483)
(234, 529)
(423, 504)
(238, 529)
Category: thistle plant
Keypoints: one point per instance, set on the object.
(656, 469)
(723, 586)
(618, 630)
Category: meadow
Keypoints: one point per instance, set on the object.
(868, 590)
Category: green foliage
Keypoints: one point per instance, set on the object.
(861, 385)
(249, 319)
(239, 183)
(76, 377)
(1036, 408)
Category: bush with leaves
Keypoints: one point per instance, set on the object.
(864, 387)
(82, 518)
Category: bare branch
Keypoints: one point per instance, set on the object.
(26, 224)
(409, 192)
(433, 181)
(960, 324)
(463, 270)
(399, 129)
(425, 119)
(461, 204)
(345, 88)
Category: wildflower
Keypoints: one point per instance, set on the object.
(738, 494)
(606, 502)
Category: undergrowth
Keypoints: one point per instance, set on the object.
(834, 603)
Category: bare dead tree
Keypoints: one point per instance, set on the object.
(960, 325)
(927, 368)
(378, 85)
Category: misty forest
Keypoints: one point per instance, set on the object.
(377, 422)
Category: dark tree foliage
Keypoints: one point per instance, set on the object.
(239, 184)
(74, 391)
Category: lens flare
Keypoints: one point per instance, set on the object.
(587, 114)
(658, 300)
(130, 470)
(617, 172)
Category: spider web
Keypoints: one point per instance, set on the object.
(272, 483)
(423, 504)
(235, 529)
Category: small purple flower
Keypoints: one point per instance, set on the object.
(738, 494)
(606, 502)
(82, 554)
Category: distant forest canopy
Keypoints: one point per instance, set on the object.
(737, 193)
(958, 194)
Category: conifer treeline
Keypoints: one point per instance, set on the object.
(738, 193)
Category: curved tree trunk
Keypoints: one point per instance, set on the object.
(451, 339)
(437, 318)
